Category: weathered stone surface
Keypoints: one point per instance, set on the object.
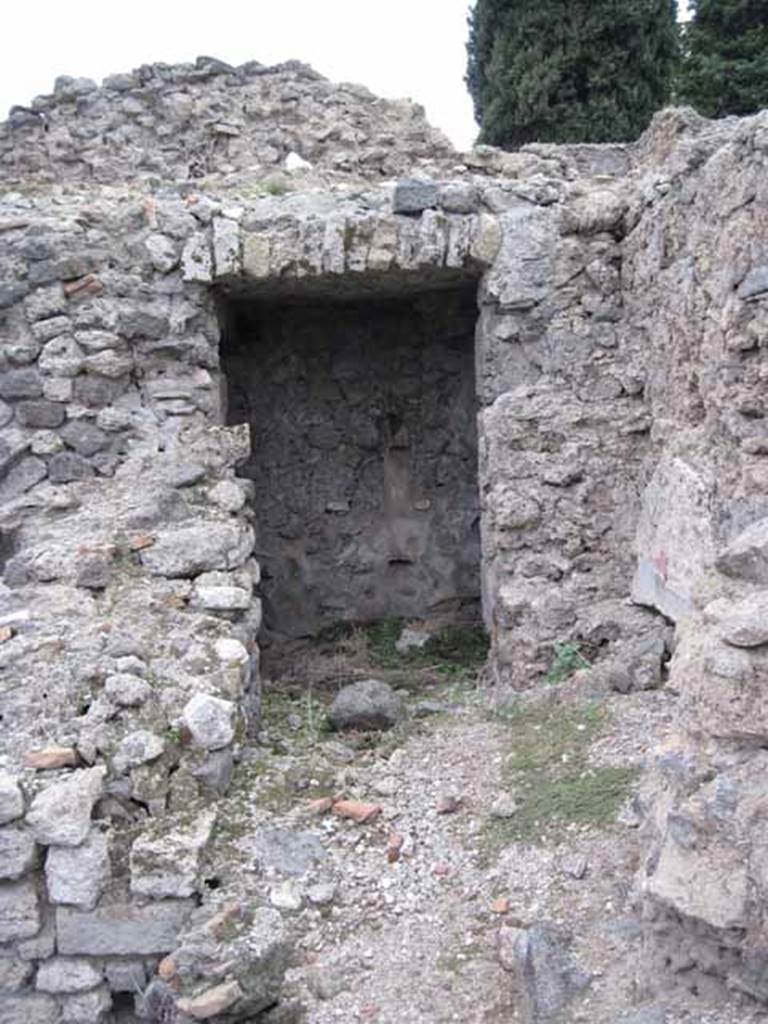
(84, 437)
(60, 815)
(414, 196)
(33, 1008)
(675, 538)
(121, 930)
(127, 690)
(67, 467)
(710, 883)
(227, 495)
(40, 413)
(14, 972)
(19, 911)
(162, 252)
(125, 975)
(67, 974)
(644, 1015)
(24, 383)
(284, 852)
(369, 704)
(137, 748)
(755, 283)
(371, 357)
(210, 720)
(235, 662)
(11, 799)
(222, 599)
(196, 260)
(77, 875)
(86, 1007)
(61, 357)
(620, 358)
(746, 623)
(255, 948)
(42, 945)
(94, 572)
(546, 977)
(22, 477)
(215, 773)
(46, 302)
(191, 550)
(226, 247)
(230, 106)
(746, 557)
(165, 862)
(17, 851)
(212, 1001)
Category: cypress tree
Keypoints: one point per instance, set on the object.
(580, 71)
(725, 63)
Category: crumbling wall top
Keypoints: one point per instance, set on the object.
(190, 121)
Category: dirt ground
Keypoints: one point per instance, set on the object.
(491, 817)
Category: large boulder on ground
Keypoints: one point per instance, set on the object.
(369, 704)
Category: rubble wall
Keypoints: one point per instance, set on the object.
(696, 287)
(186, 121)
(618, 351)
(130, 607)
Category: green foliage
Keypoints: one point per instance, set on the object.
(568, 659)
(725, 62)
(455, 651)
(549, 774)
(590, 71)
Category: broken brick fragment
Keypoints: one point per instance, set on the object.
(357, 811)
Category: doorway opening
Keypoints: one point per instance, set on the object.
(362, 414)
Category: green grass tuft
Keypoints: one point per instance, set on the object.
(453, 652)
(567, 660)
(548, 772)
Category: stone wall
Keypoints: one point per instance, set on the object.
(364, 454)
(188, 121)
(696, 287)
(129, 618)
(621, 432)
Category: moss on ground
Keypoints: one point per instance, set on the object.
(454, 652)
(548, 773)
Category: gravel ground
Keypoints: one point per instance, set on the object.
(415, 939)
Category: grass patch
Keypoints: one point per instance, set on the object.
(549, 774)
(297, 714)
(567, 660)
(455, 652)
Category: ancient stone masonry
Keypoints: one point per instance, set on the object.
(231, 341)
(181, 122)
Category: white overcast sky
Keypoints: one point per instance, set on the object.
(397, 48)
